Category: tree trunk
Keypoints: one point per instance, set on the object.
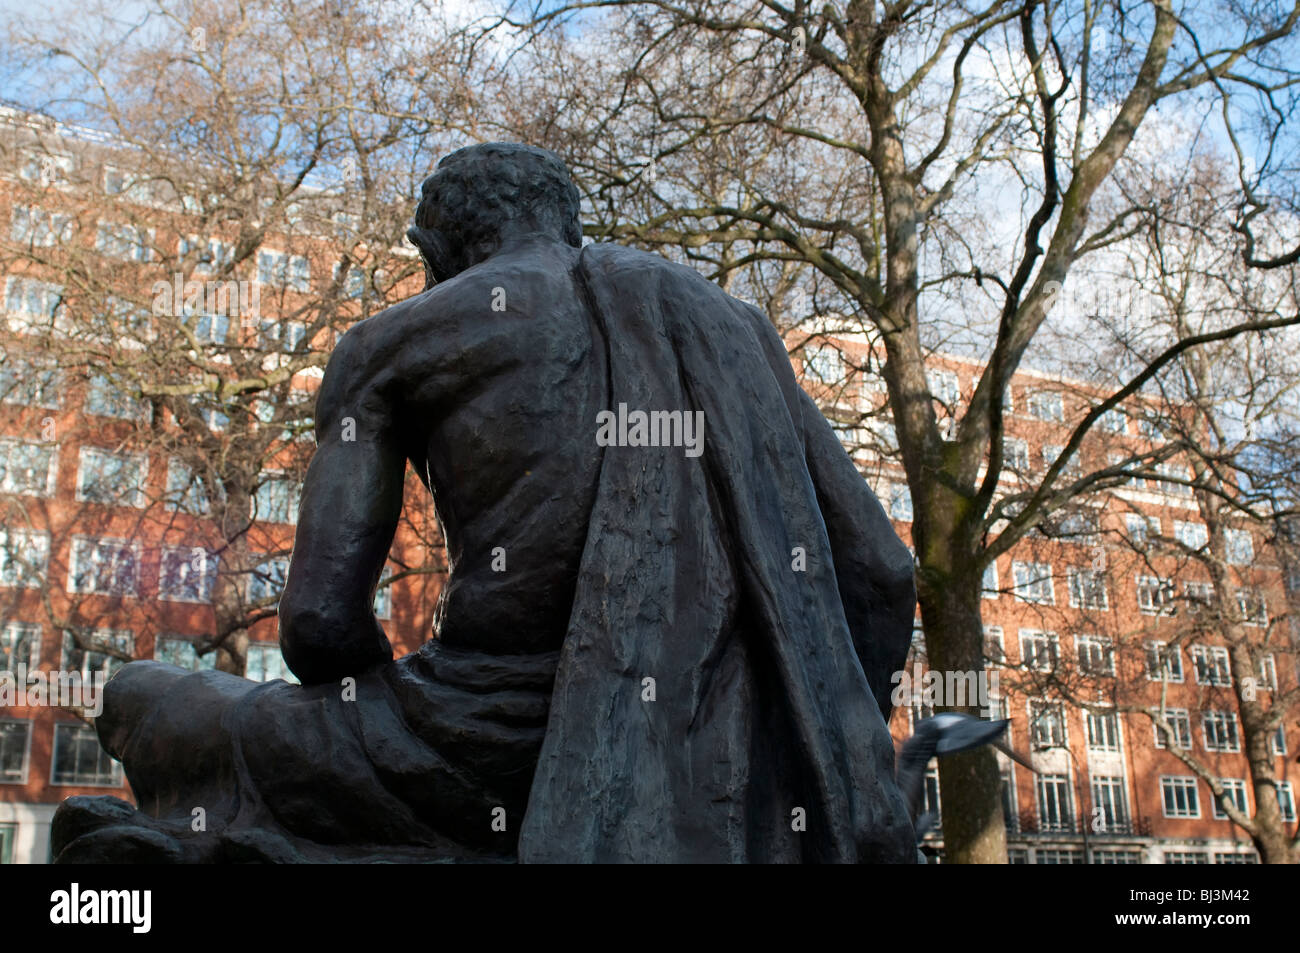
(974, 829)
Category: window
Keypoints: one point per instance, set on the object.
(383, 604)
(1220, 730)
(1008, 790)
(1103, 730)
(1078, 526)
(1039, 650)
(995, 652)
(103, 565)
(119, 182)
(990, 582)
(35, 304)
(1058, 855)
(38, 228)
(20, 644)
(1212, 665)
(99, 658)
(1234, 791)
(1151, 428)
(47, 168)
(24, 558)
(79, 759)
(1096, 654)
(1033, 582)
(1235, 857)
(284, 336)
(1052, 452)
(1198, 596)
(1110, 799)
(1155, 596)
(354, 286)
(1187, 856)
(210, 255)
(1164, 662)
(824, 363)
(182, 653)
(1055, 807)
(27, 467)
(1174, 479)
(1114, 421)
(1087, 589)
(207, 328)
(1015, 455)
(184, 491)
(1192, 535)
(1268, 672)
(1047, 724)
(1277, 743)
(126, 242)
(1017, 855)
(115, 479)
(186, 574)
(267, 580)
(1045, 405)
(1286, 801)
(930, 796)
(15, 744)
(900, 502)
(105, 399)
(265, 663)
(1238, 547)
(1253, 608)
(884, 436)
(945, 387)
(1100, 856)
(1180, 798)
(276, 499)
(277, 268)
(29, 384)
(1179, 723)
(1140, 529)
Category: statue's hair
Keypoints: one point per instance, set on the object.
(476, 189)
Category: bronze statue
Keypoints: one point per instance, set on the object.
(673, 607)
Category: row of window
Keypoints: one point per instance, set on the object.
(1122, 855)
(20, 643)
(1034, 582)
(825, 363)
(1055, 809)
(111, 566)
(1040, 650)
(114, 478)
(36, 227)
(35, 305)
(1048, 729)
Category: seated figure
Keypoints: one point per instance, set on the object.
(672, 610)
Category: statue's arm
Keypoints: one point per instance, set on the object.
(351, 502)
(873, 567)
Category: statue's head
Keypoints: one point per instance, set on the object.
(482, 195)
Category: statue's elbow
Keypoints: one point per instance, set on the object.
(321, 645)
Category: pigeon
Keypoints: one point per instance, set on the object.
(943, 734)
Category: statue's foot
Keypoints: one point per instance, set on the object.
(98, 830)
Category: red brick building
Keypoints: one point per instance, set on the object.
(1075, 618)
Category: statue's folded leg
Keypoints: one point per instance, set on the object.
(407, 761)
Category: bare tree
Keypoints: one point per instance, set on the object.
(225, 190)
(931, 175)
